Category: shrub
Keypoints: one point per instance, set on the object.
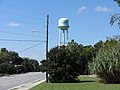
(62, 67)
(107, 64)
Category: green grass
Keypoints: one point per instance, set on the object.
(87, 83)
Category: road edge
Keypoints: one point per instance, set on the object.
(28, 85)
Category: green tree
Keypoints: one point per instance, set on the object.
(43, 67)
(35, 65)
(4, 61)
(4, 55)
(75, 55)
(62, 66)
(14, 57)
(11, 63)
(86, 57)
(66, 63)
(4, 68)
(30, 65)
(97, 46)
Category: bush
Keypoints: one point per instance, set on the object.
(66, 63)
(62, 67)
(107, 64)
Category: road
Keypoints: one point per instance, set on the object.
(11, 81)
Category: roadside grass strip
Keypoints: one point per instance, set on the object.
(86, 83)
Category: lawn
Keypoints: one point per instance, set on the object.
(87, 83)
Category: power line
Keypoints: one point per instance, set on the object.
(20, 34)
(30, 47)
(13, 40)
(34, 30)
(24, 9)
(3, 18)
(8, 12)
(23, 45)
(53, 33)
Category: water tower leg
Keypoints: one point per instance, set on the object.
(59, 37)
(64, 37)
(67, 37)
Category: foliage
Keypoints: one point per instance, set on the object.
(86, 57)
(116, 17)
(97, 46)
(11, 63)
(43, 66)
(118, 2)
(107, 62)
(62, 67)
(67, 62)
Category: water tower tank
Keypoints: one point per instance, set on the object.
(63, 24)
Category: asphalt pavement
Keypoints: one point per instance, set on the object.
(18, 81)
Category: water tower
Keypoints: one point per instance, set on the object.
(63, 25)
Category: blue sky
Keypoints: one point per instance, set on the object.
(89, 23)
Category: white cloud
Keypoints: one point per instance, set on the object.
(81, 9)
(103, 9)
(14, 24)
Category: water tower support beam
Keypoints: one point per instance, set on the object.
(59, 37)
(64, 37)
(67, 37)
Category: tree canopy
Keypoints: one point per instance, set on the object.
(66, 63)
(11, 63)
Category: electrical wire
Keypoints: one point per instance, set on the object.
(26, 16)
(53, 33)
(22, 45)
(20, 34)
(34, 30)
(12, 13)
(30, 47)
(21, 8)
(13, 40)
(10, 19)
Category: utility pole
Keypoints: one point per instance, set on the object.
(47, 66)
